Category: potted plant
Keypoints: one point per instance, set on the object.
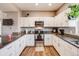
(74, 13)
(73, 16)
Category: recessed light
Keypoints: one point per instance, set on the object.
(50, 4)
(36, 4)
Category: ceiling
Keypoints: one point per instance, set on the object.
(7, 7)
(30, 6)
(40, 7)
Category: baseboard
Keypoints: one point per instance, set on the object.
(22, 51)
(56, 50)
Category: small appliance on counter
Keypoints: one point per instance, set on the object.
(55, 30)
(61, 31)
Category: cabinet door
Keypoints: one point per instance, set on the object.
(77, 51)
(21, 22)
(69, 49)
(27, 40)
(45, 22)
(8, 50)
(0, 30)
(1, 15)
(20, 45)
(30, 40)
(11, 50)
(61, 47)
(31, 21)
(48, 39)
(18, 48)
(3, 52)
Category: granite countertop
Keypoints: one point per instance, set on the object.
(70, 40)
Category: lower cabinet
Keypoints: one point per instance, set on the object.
(64, 48)
(48, 38)
(8, 50)
(68, 50)
(14, 48)
(30, 40)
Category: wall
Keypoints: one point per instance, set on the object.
(0, 25)
(19, 15)
(38, 14)
(14, 28)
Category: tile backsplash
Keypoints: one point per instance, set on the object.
(70, 30)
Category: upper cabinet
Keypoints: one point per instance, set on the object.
(26, 22)
(30, 21)
(1, 15)
(49, 21)
(61, 19)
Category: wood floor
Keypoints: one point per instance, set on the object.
(48, 51)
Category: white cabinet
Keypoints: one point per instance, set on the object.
(64, 48)
(26, 22)
(30, 40)
(77, 51)
(1, 15)
(72, 23)
(30, 21)
(14, 48)
(49, 21)
(56, 42)
(0, 26)
(20, 44)
(48, 39)
(61, 19)
(8, 50)
(69, 50)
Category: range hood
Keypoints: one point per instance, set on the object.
(39, 24)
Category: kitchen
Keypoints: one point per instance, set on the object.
(43, 25)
